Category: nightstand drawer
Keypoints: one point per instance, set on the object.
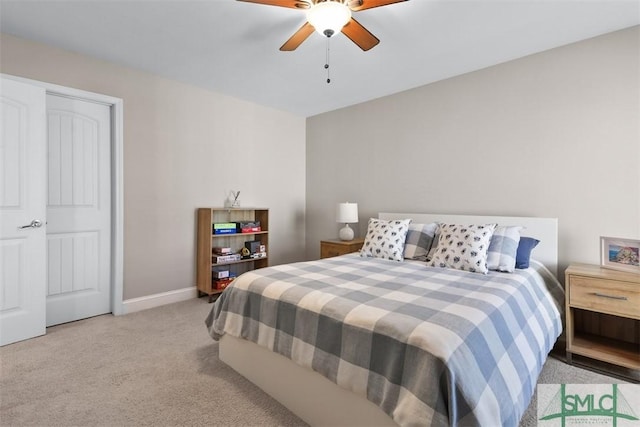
(328, 250)
(331, 248)
(610, 296)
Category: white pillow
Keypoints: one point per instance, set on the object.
(385, 239)
(501, 255)
(463, 247)
(419, 240)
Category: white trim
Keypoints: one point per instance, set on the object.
(68, 92)
(117, 183)
(117, 207)
(156, 300)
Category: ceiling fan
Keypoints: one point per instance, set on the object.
(329, 17)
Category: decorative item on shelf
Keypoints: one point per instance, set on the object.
(620, 254)
(347, 213)
(232, 200)
(236, 201)
(246, 254)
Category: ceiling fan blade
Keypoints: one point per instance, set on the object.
(357, 5)
(294, 4)
(298, 37)
(359, 35)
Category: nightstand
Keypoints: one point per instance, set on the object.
(331, 248)
(603, 315)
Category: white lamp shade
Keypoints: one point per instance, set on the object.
(347, 213)
(329, 17)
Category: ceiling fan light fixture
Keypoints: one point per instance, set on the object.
(328, 17)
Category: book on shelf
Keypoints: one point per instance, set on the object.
(224, 228)
(224, 225)
(217, 259)
(221, 250)
(224, 231)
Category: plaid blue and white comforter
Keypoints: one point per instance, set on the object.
(430, 346)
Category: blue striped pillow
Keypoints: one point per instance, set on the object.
(503, 248)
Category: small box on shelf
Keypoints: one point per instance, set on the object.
(221, 259)
(253, 246)
(248, 227)
(220, 274)
(221, 284)
(258, 255)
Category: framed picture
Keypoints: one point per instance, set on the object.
(620, 254)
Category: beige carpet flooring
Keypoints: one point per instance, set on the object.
(156, 367)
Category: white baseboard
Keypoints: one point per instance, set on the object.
(156, 300)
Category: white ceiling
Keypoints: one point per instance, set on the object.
(232, 47)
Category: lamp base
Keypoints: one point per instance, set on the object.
(346, 233)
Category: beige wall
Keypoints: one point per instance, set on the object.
(555, 134)
(184, 147)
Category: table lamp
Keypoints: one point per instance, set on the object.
(347, 213)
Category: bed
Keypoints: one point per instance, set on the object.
(368, 341)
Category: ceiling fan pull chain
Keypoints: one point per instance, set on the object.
(326, 65)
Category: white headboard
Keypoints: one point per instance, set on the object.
(543, 229)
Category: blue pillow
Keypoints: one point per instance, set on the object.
(523, 254)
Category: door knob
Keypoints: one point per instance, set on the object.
(36, 223)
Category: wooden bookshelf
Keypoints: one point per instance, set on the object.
(207, 240)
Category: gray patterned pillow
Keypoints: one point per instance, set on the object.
(385, 239)
(463, 247)
(434, 244)
(419, 240)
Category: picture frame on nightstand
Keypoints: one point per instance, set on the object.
(620, 254)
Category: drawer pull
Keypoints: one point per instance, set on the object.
(598, 294)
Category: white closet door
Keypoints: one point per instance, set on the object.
(22, 211)
(78, 209)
